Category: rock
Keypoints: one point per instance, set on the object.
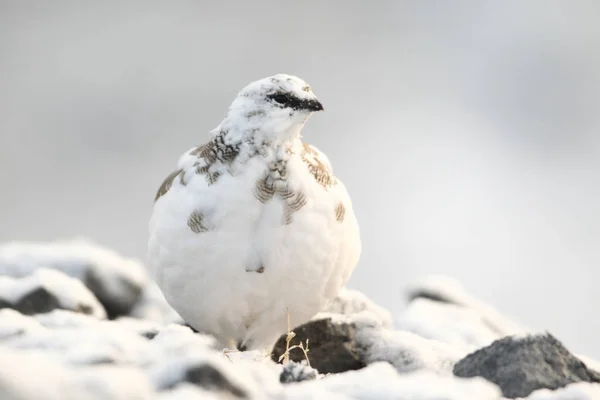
(5, 304)
(332, 347)
(105, 290)
(521, 365)
(297, 372)
(116, 281)
(210, 378)
(46, 290)
(340, 343)
(38, 301)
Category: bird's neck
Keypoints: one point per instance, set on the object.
(258, 133)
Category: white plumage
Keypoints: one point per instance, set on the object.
(253, 224)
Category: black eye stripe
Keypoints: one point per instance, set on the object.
(280, 98)
(291, 101)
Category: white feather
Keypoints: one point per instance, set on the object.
(210, 278)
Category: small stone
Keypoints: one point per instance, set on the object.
(297, 372)
(210, 378)
(521, 365)
(332, 348)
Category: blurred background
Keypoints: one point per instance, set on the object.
(466, 132)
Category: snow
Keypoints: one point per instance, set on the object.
(14, 323)
(188, 391)
(590, 362)
(351, 302)
(85, 345)
(24, 374)
(380, 381)
(574, 391)
(70, 293)
(406, 351)
(148, 354)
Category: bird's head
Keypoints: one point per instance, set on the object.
(275, 107)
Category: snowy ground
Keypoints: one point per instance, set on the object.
(81, 322)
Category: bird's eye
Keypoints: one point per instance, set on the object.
(279, 98)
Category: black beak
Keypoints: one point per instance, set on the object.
(313, 105)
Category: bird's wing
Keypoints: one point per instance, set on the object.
(342, 214)
(185, 162)
(318, 165)
(210, 159)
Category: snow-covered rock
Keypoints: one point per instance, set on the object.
(406, 351)
(297, 372)
(520, 365)
(339, 343)
(351, 302)
(448, 290)
(116, 281)
(331, 343)
(46, 290)
(56, 343)
(449, 323)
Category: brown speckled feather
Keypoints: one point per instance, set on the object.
(319, 170)
(340, 212)
(263, 190)
(196, 222)
(166, 185)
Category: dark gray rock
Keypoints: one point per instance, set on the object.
(521, 365)
(5, 304)
(332, 346)
(210, 378)
(149, 334)
(297, 372)
(129, 292)
(38, 301)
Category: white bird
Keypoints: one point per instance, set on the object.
(253, 224)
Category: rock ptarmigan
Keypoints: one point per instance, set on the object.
(253, 224)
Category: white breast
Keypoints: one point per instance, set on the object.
(212, 276)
